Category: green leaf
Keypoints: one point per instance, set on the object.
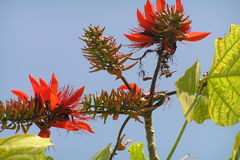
(24, 147)
(49, 158)
(186, 88)
(224, 80)
(200, 113)
(103, 154)
(236, 148)
(237, 155)
(136, 152)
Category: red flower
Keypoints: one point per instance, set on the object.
(59, 108)
(163, 25)
(132, 85)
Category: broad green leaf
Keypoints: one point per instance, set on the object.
(49, 158)
(224, 80)
(186, 88)
(44, 157)
(103, 154)
(136, 152)
(200, 113)
(24, 147)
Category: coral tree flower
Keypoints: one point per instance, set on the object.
(163, 25)
(55, 107)
(132, 85)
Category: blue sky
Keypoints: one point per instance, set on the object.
(41, 38)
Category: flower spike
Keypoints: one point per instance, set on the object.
(103, 52)
(49, 107)
(163, 25)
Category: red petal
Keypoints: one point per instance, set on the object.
(142, 21)
(179, 5)
(124, 87)
(65, 125)
(83, 125)
(53, 100)
(45, 90)
(21, 95)
(75, 97)
(35, 85)
(161, 4)
(132, 85)
(44, 133)
(140, 38)
(186, 28)
(149, 11)
(54, 83)
(73, 125)
(196, 36)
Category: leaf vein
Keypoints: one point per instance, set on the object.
(226, 53)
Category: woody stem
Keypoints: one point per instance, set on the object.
(150, 136)
(126, 83)
(148, 115)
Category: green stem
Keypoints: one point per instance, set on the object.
(177, 140)
(184, 125)
(192, 106)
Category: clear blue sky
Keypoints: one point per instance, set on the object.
(40, 37)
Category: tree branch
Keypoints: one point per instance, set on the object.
(150, 136)
(118, 138)
(126, 83)
(148, 115)
(171, 93)
(154, 80)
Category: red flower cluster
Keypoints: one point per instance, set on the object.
(163, 25)
(59, 108)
